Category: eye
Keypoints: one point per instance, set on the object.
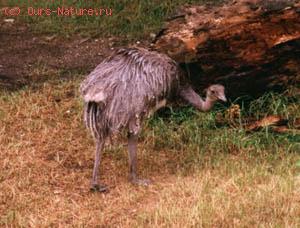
(213, 91)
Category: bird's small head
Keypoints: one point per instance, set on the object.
(216, 92)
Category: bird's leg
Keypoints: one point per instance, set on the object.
(132, 151)
(95, 186)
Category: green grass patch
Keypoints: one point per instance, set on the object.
(132, 19)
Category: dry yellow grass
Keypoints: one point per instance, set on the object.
(46, 159)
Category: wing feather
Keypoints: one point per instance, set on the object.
(129, 82)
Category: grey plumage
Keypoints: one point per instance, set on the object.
(125, 86)
(128, 86)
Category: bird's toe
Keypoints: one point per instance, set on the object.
(141, 182)
(99, 188)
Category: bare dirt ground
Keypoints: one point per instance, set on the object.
(22, 51)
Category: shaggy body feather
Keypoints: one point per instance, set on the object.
(127, 85)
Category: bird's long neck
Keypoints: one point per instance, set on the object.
(193, 98)
(205, 105)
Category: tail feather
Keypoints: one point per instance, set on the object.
(92, 119)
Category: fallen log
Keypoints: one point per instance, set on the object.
(250, 46)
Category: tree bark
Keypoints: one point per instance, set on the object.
(250, 46)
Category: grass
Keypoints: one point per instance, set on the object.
(203, 175)
(131, 19)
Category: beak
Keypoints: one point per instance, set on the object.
(222, 98)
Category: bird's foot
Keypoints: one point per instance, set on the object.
(99, 188)
(140, 182)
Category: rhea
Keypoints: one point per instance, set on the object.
(126, 88)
